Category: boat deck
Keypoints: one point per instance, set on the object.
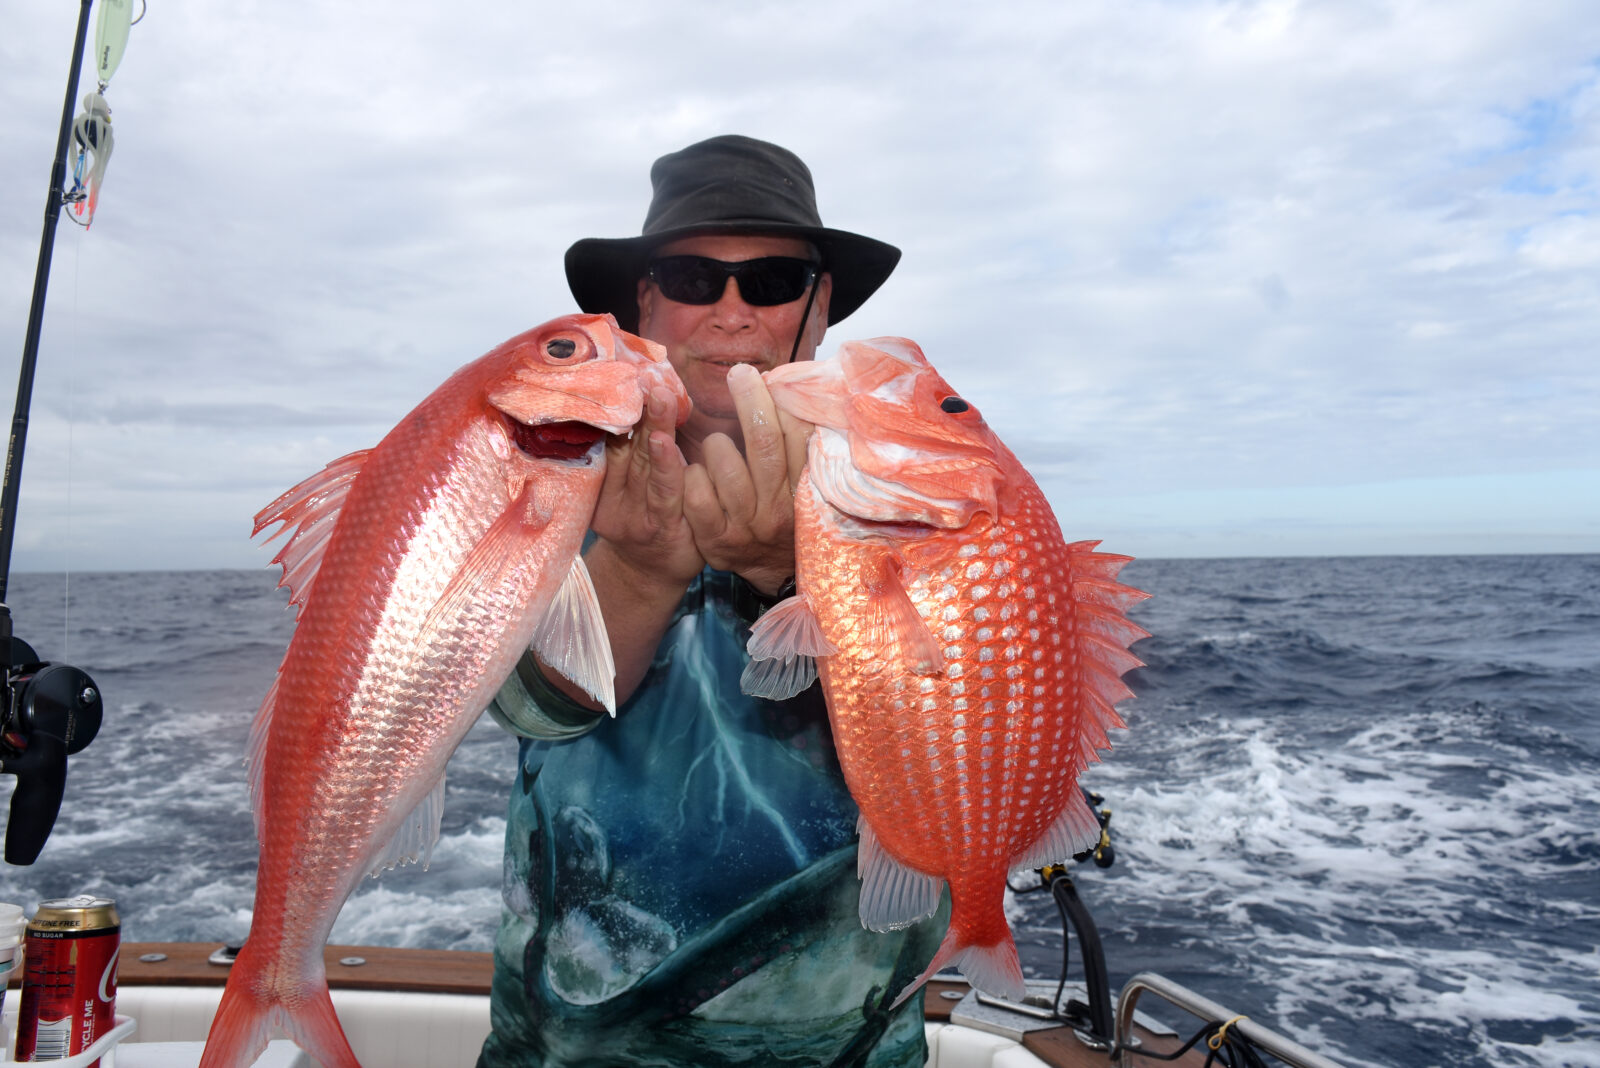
(433, 971)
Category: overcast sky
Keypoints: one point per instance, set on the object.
(1266, 278)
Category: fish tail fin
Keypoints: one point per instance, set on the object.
(992, 969)
(315, 1028)
(248, 1018)
(240, 1030)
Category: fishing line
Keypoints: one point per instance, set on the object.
(72, 406)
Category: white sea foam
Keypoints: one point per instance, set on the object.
(1343, 874)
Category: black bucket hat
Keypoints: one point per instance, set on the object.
(726, 185)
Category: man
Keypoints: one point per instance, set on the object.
(680, 883)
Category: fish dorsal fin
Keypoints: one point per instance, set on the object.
(893, 620)
(311, 509)
(893, 896)
(417, 835)
(1098, 602)
(783, 646)
(571, 637)
(1074, 831)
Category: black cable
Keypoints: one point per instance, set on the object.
(805, 315)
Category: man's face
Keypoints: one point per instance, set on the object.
(704, 340)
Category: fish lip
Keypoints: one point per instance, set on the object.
(898, 529)
(597, 423)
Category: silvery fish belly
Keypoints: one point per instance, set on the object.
(421, 568)
(971, 658)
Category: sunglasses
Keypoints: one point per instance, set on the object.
(762, 282)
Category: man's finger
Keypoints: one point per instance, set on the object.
(701, 507)
(664, 485)
(796, 438)
(763, 434)
(729, 478)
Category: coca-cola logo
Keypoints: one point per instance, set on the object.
(108, 978)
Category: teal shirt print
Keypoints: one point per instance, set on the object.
(680, 884)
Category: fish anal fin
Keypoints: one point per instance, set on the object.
(571, 637)
(417, 836)
(311, 509)
(1074, 831)
(256, 758)
(892, 620)
(778, 679)
(893, 896)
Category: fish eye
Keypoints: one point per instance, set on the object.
(561, 348)
(954, 405)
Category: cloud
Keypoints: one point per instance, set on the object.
(1242, 246)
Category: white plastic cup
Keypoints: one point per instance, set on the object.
(12, 924)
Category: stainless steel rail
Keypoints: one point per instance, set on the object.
(1290, 1052)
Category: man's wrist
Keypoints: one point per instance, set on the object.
(750, 601)
(643, 582)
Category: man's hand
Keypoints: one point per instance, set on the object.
(644, 555)
(640, 512)
(741, 507)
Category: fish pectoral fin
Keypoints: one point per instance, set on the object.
(1075, 830)
(893, 896)
(893, 622)
(501, 549)
(417, 835)
(783, 645)
(571, 638)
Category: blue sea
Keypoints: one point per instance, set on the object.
(1357, 798)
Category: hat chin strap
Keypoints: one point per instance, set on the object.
(805, 316)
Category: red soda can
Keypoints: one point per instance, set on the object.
(69, 978)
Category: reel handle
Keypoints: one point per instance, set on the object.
(54, 711)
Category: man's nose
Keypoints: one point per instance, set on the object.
(731, 308)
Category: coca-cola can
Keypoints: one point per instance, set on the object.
(69, 978)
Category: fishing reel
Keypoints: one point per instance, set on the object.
(50, 711)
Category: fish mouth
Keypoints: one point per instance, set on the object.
(569, 440)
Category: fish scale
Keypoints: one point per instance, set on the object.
(985, 732)
(970, 657)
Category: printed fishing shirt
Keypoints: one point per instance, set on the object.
(680, 883)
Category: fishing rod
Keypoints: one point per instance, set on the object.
(47, 711)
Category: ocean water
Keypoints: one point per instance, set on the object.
(1357, 799)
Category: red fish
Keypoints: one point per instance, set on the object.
(422, 569)
(970, 657)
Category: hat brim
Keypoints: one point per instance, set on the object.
(604, 273)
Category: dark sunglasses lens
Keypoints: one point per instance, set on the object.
(689, 279)
(775, 280)
(700, 280)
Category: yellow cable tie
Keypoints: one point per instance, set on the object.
(1216, 1040)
